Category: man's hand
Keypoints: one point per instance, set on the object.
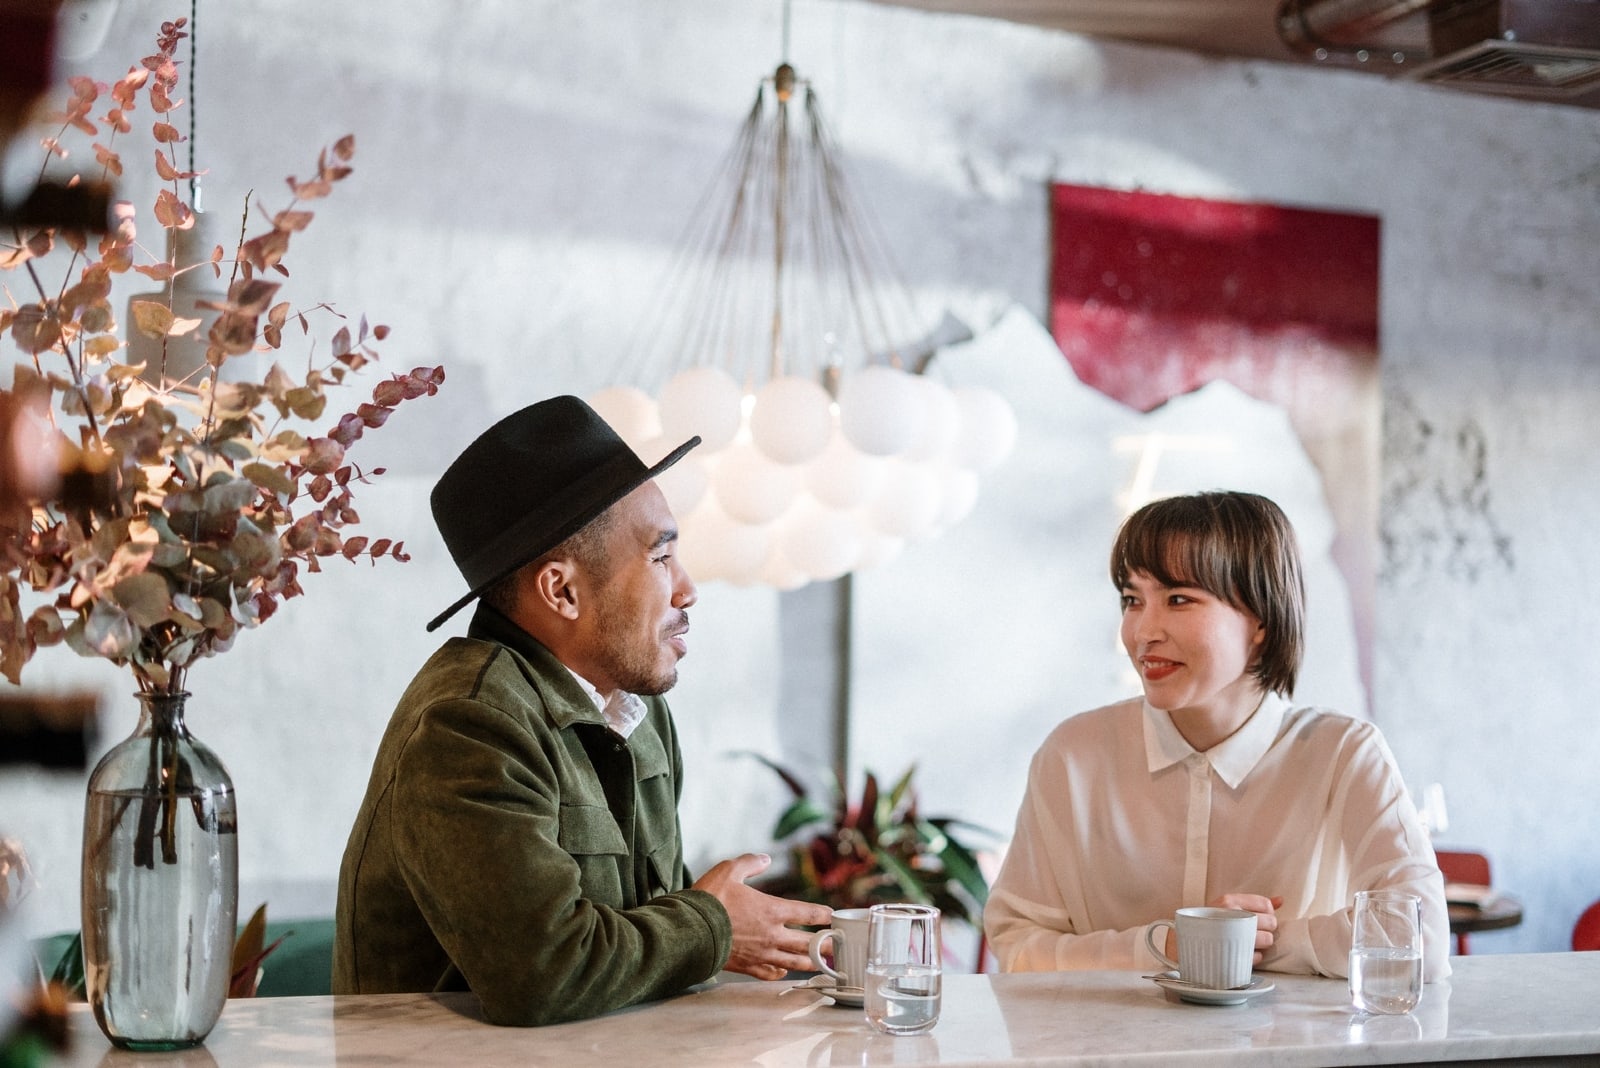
(764, 945)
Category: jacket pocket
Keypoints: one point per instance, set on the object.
(589, 830)
(665, 869)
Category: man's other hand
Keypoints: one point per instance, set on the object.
(765, 945)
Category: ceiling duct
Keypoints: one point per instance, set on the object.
(1535, 49)
(1539, 49)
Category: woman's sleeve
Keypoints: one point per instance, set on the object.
(1374, 817)
(1028, 921)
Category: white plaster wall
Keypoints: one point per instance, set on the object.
(523, 170)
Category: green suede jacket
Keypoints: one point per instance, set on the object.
(512, 844)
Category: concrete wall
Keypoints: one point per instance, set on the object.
(523, 172)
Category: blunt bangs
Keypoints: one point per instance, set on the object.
(1238, 547)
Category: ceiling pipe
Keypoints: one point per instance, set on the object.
(1350, 31)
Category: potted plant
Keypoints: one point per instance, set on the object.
(194, 501)
(875, 848)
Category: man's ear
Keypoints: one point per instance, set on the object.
(553, 588)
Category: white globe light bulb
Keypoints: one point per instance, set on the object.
(941, 422)
(844, 476)
(780, 574)
(631, 412)
(821, 541)
(878, 548)
(881, 410)
(907, 506)
(988, 429)
(685, 482)
(712, 545)
(792, 419)
(752, 488)
(704, 401)
(960, 494)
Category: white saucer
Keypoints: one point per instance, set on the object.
(1200, 995)
(848, 996)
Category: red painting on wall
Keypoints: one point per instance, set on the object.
(1153, 296)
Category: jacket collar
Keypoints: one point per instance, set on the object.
(565, 701)
(1233, 758)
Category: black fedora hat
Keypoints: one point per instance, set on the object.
(528, 483)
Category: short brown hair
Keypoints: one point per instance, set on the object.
(588, 547)
(1236, 546)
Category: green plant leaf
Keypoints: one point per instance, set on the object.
(904, 877)
(789, 778)
(869, 819)
(901, 788)
(802, 813)
(69, 970)
(961, 864)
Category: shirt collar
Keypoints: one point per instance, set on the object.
(1233, 758)
(623, 711)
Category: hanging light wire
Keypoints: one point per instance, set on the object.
(194, 45)
(828, 295)
(783, 336)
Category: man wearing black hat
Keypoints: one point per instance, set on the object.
(519, 836)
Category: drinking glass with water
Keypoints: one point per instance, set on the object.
(904, 968)
(1386, 952)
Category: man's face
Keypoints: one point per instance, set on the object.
(635, 618)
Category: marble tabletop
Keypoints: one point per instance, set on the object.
(1493, 1007)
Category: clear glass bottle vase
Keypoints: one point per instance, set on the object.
(160, 883)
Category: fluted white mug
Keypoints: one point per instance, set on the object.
(1216, 947)
(848, 933)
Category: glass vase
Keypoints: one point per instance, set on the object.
(160, 883)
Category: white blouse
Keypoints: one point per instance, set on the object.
(1124, 822)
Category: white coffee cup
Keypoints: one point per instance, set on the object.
(848, 934)
(1216, 947)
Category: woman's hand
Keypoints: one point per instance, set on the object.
(1265, 908)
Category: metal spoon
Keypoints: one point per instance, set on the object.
(1175, 980)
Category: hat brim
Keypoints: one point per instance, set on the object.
(577, 523)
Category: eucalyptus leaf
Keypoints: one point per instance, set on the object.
(193, 477)
(187, 606)
(108, 631)
(268, 477)
(227, 495)
(145, 597)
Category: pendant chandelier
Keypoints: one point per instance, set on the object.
(782, 338)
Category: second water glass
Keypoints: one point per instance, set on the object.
(904, 968)
(1386, 952)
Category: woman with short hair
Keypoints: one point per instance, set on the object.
(1213, 788)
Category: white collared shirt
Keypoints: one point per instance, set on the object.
(1124, 822)
(623, 711)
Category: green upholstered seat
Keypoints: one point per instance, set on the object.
(301, 966)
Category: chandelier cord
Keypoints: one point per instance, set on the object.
(194, 43)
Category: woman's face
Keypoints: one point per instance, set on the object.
(1193, 650)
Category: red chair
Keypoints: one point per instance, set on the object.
(1586, 932)
(1464, 866)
